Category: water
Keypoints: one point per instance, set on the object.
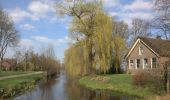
(63, 88)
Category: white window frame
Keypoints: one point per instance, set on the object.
(140, 50)
(151, 63)
(136, 64)
(129, 64)
(144, 63)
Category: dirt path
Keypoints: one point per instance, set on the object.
(14, 76)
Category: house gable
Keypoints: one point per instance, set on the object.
(139, 41)
(147, 53)
(135, 56)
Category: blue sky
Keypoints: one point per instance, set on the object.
(39, 25)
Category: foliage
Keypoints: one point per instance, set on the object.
(13, 91)
(12, 87)
(75, 61)
(146, 79)
(119, 51)
(28, 60)
(92, 31)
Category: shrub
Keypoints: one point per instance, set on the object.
(147, 79)
(140, 78)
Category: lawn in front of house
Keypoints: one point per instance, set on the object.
(118, 83)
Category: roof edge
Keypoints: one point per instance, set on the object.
(134, 45)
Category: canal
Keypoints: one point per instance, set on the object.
(64, 88)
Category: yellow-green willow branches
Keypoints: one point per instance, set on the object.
(92, 30)
(103, 41)
(74, 61)
(82, 27)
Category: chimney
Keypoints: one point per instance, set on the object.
(158, 37)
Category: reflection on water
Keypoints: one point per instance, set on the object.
(63, 88)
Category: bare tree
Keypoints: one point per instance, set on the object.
(121, 28)
(140, 27)
(162, 19)
(49, 61)
(8, 34)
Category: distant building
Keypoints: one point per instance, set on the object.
(148, 53)
(8, 64)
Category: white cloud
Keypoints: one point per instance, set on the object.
(39, 8)
(142, 15)
(43, 39)
(110, 3)
(9, 53)
(27, 43)
(113, 13)
(137, 9)
(139, 5)
(57, 19)
(18, 14)
(46, 40)
(36, 10)
(128, 16)
(38, 41)
(27, 26)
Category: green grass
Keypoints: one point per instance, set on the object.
(9, 88)
(8, 73)
(15, 81)
(117, 83)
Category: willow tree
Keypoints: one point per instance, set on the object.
(92, 28)
(120, 37)
(74, 61)
(103, 41)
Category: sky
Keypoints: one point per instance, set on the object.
(40, 26)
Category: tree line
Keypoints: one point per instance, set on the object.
(29, 60)
(26, 59)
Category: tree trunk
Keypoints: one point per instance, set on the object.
(1, 64)
(168, 80)
(90, 57)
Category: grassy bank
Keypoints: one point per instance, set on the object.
(8, 73)
(15, 86)
(118, 83)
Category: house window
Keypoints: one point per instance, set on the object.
(145, 63)
(154, 62)
(138, 63)
(131, 64)
(140, 50)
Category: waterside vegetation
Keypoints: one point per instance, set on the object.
(121, 83)
(12, 87)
